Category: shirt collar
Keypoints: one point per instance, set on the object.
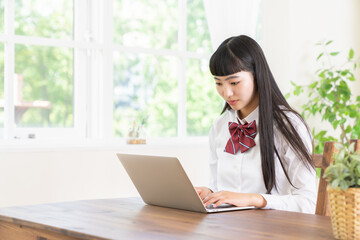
(254, 115)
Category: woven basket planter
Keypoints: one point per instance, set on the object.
(345, 212)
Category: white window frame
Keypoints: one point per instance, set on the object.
(93, 80)
(78, 44)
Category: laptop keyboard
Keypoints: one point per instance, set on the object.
(221, 206)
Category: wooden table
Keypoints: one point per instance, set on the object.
(130, 218)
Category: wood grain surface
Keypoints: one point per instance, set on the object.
(130, 218)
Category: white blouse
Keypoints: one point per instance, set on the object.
(242, 172)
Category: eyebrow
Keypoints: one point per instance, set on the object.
(226, 78)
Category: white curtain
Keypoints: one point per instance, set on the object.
(228, 18)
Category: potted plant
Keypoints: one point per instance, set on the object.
(329, 96)
(343, 175)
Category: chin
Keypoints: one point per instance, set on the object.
(236, 108)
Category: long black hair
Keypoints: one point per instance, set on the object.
(242, 53)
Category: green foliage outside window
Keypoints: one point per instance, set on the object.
(148, 86)
(148, 24)
(145, 87)
(203, 102)
(47, 75)
(44, 18)
(47, 72)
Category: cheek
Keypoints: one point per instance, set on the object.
(248, 89)
(219, 90)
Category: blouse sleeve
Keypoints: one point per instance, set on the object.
(213, 161)
(303, 197)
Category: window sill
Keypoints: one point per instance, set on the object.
(34, 145)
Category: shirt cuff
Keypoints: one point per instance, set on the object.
(271, 201)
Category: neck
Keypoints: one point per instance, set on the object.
(244, 112)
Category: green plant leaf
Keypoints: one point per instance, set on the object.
(343, 185)
(345, 72)
(332, 117)
(313, 85)
(332, 96)
(322, 73)
(320, 55)
(351, 54)
(320, 134)
(287, 96)
(298, 90)
(335, 183)
(328, 42)
(342, 121)
(348, 129)
(334, 53)
(326, 86)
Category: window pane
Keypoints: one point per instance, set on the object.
(203, 102)
(198, 36)
(43, 86)
(145, 86)
(1, 16)
(143, 23)
(44, 18)
(2, 85)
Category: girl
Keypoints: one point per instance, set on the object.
(260, 147)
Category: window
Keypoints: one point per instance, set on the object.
(42, 70)
(89, 69)
(161, 71)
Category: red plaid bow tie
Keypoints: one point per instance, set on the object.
(242, 136)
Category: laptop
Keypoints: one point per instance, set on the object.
(162, 181)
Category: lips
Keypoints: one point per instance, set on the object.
(232, 102)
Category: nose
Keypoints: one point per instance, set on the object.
(228, 92)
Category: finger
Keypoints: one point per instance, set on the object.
(213, 195)
(210, 200)
(219, 202)
(203, 196)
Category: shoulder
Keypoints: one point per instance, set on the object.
(295, 119)
(222, 120)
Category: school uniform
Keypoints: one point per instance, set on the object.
(242, 172)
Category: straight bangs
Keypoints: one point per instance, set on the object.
(224, 62)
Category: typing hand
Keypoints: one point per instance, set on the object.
(237, 199)
(203, 192)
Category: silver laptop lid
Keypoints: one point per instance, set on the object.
(162, 181)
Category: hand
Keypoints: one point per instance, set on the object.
(203, 192)
(237, 199)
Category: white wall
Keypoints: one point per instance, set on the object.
(290, 30)
(75, 173)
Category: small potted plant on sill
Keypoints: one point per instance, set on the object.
(343, 176)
